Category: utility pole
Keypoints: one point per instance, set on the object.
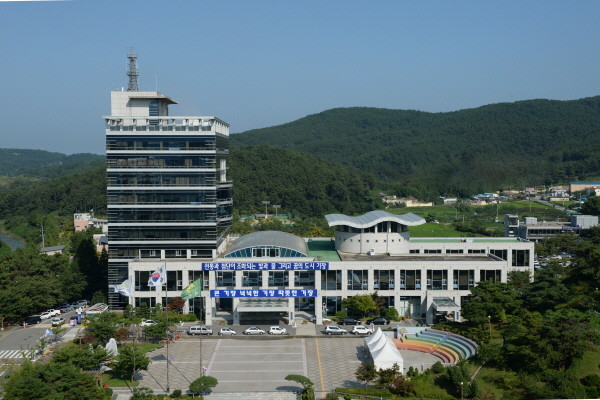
(43, 238)
(266, 203)
(276, 207)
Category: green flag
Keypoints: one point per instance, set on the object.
(193, 290)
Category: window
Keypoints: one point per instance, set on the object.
(437, 279)
(193, 275)
(520, 258)
(332, 304)
(251, 278)
(358, 279)
(225, 278)
(331, 280)
(432, 251)
(141, 281)
(383, 279)
(265, 251)
(463, 280)
(454, 251)
(410, 279)
(304, 278)
(476, 251)
(415, 251)
(174, 280)
(499, 253)
(279, 278)
(490, 275)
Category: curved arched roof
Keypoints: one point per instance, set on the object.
(372, 218)
(269, 238)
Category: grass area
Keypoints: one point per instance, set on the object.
(114, 382)
(438, 230)
(589, 363)
(148, 347)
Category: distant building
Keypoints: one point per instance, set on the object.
(581, 186)
(534, 230)
(50, 251)
(83, 221)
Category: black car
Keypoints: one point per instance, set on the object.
(349, 321)
(378, 321)
(33, 320)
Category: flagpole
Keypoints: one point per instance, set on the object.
(167, 317)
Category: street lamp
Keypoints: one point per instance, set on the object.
(461, 391)
(276, 207)
(266, 203)
(490, 326)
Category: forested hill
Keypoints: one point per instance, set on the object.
(45, 164)
(299, 183)
(462, 152)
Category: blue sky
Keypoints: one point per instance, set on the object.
(262, 63)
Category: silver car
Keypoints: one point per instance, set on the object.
(253, 330)
(227, 331)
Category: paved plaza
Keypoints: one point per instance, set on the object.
(260, 364)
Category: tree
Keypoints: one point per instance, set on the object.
(391, 314)
(51, 381)
(402, 386)
(82, 357)
(203, 383)
(360, 304)
(386, 376)
(130, 360)
(495, 300)
(591, 206)
(103, 326)
(307, 385)
(366, 373)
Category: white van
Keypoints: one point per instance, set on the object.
(199, 330)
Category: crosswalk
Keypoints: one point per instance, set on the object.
(12, 353)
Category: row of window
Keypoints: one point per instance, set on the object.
(332, 280)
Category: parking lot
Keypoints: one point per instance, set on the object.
(260, 363)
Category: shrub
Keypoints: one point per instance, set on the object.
(437, 368)
(203, 383)
(591, 381)
(391, 314)
(176, 393)
(341, 314)
(332, 396)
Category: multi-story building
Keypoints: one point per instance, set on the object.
(276, 273)
(168, 193)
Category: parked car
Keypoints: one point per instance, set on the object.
(227, 331)
(32, 320)
(81, 303)
(54, 312)
(199, 330)
(65, 308)
(335, 330)
(378, 321)
(46, 315)
(275, 330)
(361, 330)
(58, 321)
(254, 331)
(349, 321)
(148, 322)
(324, 319)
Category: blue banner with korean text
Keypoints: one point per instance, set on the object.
(254, 293)
(265, 266)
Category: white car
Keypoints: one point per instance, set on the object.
(58, 321)
(227, 331)
(275, 330)
(335, 330)
(46, 315)
(148, 322)
(254, 331)
(54, 312)
(361, 330)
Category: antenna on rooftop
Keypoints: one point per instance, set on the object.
(132, 72)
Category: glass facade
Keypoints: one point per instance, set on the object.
(167, 189)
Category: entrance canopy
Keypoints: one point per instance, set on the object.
(442, 304)
(263, 305)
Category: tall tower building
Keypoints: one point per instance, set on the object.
(168, 193)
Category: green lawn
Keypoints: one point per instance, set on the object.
(437, 230)
(113, 382)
